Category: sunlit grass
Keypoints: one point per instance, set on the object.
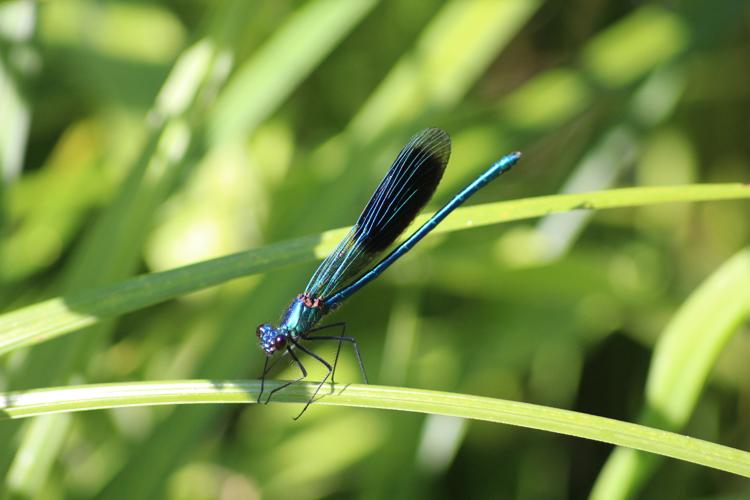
(82, 398)
(119, 124)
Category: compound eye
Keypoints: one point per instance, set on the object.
(259, 331)
(279, 342)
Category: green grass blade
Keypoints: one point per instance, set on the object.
(691, 343)
(17, 25)
(90, 397)
(61, 315)
(163, 158)
(684, 356)
(263, 82)
(461, 40)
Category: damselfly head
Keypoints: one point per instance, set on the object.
(271, 339)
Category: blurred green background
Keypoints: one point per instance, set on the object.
(142, 136)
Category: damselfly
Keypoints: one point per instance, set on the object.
(405, 189)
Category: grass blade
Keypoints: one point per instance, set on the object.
(91, 397)
(263, 82)
(684, 356)
(71, 312)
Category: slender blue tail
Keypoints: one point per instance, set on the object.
(499, 167)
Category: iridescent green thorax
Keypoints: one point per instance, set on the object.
(302, 315)
(299, 318)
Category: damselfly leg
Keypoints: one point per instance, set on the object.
(341, 338)
(317, 389)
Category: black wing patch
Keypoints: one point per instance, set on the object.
(403, 192)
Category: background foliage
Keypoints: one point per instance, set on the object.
(143, 136)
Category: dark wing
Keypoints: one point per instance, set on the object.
(405, 189)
